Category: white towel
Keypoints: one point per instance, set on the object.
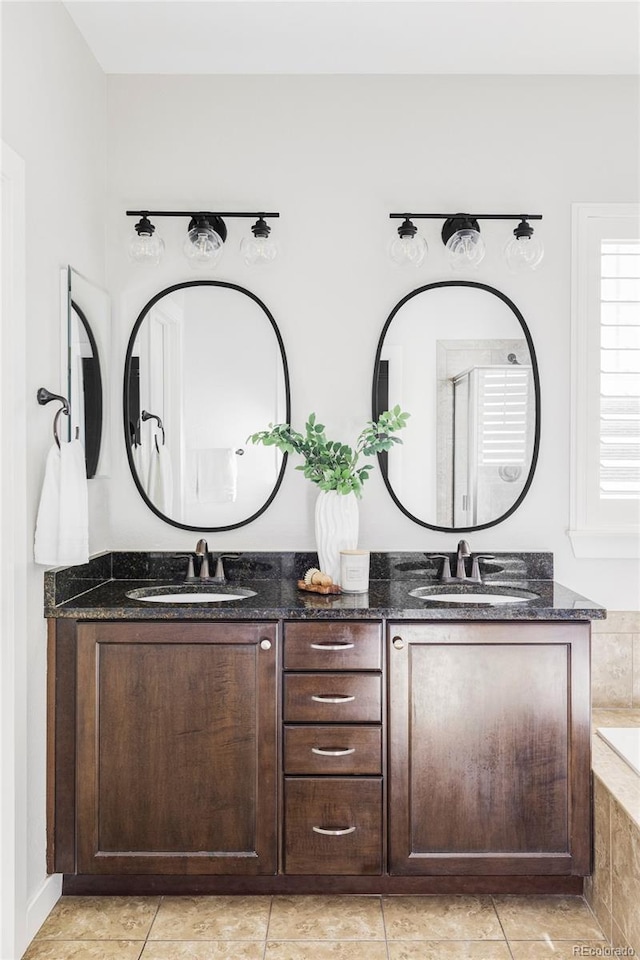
(141, 463)
(62, 526)
(160, 487)
(216, 475)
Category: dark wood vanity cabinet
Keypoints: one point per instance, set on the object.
(176, 744)
(411, 756)
(489, 757)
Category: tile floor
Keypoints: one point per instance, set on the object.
(318, 927)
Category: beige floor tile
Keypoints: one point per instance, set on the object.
(441, 918)
(84, 950)
(539, 917)
(100, 918)
(554, 949)
(449, 950)
(326, 918)
(204, 950)
(326, 950)
(211, 918)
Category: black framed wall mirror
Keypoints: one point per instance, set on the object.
(86, 336)
(205, 367)
(459, 357)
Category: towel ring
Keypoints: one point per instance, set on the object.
(145, 415)
(45, 396)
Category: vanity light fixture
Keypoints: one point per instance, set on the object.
(144, 247)
(409, 248)
(260, 248)
(463, 240)
(523, 251)
(203, 245)
(206, 234)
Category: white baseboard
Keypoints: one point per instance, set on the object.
(42, 903)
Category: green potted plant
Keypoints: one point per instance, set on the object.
(335, 468)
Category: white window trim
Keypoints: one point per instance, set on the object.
(589, 538)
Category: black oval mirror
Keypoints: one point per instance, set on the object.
(205, 363)
(459, 357)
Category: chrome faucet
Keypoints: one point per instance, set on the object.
(461, 555)
(202, 550)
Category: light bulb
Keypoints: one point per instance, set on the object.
(465, 248)
(523, 251)
(144, 247)
(259, 249)
(203, 246)
(409, 248)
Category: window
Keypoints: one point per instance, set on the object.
(605, 481)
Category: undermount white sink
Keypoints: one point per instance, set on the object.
(480, 596)
(190, 593)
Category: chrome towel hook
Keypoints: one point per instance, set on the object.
(45, 396)
(145, 415)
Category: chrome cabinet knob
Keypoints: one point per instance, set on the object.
(265, 644)
(398, 643)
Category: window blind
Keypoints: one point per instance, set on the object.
(620, 370)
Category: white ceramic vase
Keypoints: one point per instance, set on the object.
(336, 529)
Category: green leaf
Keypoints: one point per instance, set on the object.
(331, 464)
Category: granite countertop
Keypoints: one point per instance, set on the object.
(98, 590)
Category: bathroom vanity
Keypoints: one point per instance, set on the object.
(289, 742)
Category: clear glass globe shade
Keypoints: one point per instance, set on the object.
(257, 251)
(145, 248)
(466, 249)
(408, 251)
(523, 253)
(203, 246)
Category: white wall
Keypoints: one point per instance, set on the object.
(336, 155)
(53, 116)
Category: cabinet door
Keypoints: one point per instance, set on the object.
(176, 748)
(489, 749)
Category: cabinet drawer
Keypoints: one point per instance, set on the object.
(333, 826)
(332, 646)
(333, 750)
(332, 697)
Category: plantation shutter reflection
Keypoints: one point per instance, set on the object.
(504, 395)
(620, 370)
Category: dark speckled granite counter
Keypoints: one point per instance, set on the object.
(98, 590)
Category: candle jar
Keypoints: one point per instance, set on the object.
(354, 571)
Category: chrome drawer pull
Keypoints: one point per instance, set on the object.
(332, 646)
(335, 832)
(340, 752)
(320, 699)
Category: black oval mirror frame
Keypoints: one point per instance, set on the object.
(127, 371)
(536, 380)
(92, 382)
